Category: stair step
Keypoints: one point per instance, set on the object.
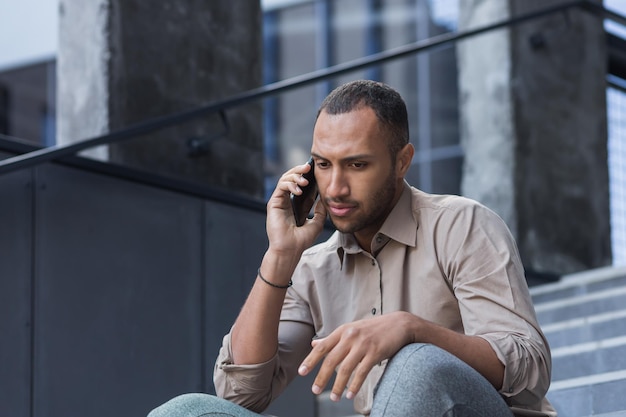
(593, 395)
(589, 358)
(586, 329)
(579, 283)
(584, 319)
(582, 305)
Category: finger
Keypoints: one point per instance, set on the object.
(361, 372)
(332, 361)
(316, 354)
(298, 170)
(345, 372)
(292, 180)
(321, 349)
(290, 184)
(301, 170)
(300, 181)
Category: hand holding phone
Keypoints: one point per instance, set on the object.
(302, 204)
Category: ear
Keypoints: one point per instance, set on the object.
(403, 160)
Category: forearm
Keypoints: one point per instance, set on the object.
(473, 350)
(255, 332)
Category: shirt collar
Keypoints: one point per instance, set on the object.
(400, 225)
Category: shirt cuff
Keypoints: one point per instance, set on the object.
(526, 371)
(230, 379)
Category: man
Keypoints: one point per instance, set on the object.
(417, 303)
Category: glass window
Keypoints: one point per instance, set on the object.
(303, 36)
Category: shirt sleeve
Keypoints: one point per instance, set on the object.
(488, 280)
(256, 386)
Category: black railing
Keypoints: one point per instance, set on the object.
(56, 152)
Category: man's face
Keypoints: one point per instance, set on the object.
(357, 180)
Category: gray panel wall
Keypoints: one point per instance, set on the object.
(129, 289)
(15, 292)
(118, 295)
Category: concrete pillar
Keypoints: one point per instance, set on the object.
(533, 111)
(82, 69)
(122, 62)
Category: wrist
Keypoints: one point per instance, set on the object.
(271, 284)
(413, 326)
(278, 268)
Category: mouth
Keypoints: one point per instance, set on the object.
(340, 210)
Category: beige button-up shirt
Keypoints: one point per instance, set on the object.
(446, 259)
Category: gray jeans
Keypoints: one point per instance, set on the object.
(420, 380)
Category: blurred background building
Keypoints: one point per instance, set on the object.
(300, 37)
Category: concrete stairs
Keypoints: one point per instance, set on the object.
(584, 318)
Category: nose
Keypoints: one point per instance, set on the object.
(338, 185)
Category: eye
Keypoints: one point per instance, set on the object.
(321, 164)
(359, 165)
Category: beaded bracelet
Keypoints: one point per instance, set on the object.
(272, 284)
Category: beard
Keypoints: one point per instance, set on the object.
(376, 208)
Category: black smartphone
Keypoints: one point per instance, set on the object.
(302, 204)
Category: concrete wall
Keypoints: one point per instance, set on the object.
(534, 130)
(122, 62)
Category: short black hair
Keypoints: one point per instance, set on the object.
(386, 102)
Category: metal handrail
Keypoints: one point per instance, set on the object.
(56, 152)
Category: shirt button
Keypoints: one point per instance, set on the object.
(379, 239)
(373, 311)
(373, 262)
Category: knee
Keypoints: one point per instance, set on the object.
(424, 357)
(430, 381)
(186, 405)
(427, 362)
